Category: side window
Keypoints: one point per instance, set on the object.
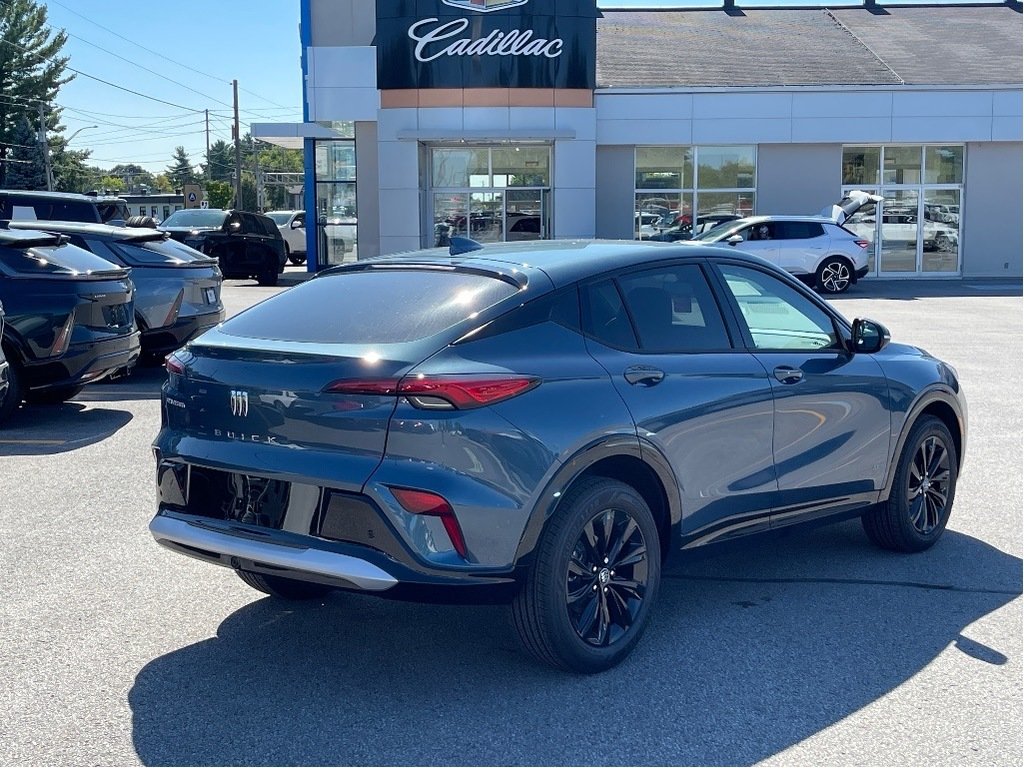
(763, 231)
(779, 316)
(798, 230)
(674, 310)
(605, 317)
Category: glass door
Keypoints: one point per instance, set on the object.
(900, 234)
(941, 254)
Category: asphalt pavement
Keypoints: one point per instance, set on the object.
(809, 647)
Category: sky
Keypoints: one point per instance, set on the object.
(202, 45)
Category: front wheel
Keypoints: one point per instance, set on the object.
(589, 590)
(835, 275)
(920, 501)
(10, 402)
(282, 588)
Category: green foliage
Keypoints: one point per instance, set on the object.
(110, 184)
(220, 162)
(162, 184)
(31, 73)
(134, 177)
(26, 169)
(70, 173)
(180, 172)
(219, 194)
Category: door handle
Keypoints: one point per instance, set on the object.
(643, 375)
(788, 375)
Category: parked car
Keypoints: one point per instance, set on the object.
(292, 225)
(177, 289)
(4, 367)
(246, 244)
(20, 205)
(543, 423)
(69, 318)
(686, 231)
(817, 249)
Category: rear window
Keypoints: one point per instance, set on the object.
(379, 306)
(279, 218)
(28, 208)
(195, 217)
(157, 252)
(62, 260)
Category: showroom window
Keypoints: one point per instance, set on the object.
(682, 191)
(490, 193)
(918, 228)
(336, 197)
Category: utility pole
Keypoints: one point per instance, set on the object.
(44, 146)
(238, 151)
(207, 138)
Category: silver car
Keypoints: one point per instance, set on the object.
(177, 289)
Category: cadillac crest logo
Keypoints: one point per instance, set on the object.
(484, 6)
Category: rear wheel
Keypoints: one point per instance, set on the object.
(12, 399)
(835, 275)
(918, 508)
(269, 274)
(596, 572)
(285, 589)
(294, 258)
(53, 395)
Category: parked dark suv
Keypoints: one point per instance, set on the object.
(246, 244)
(69, 318)
(544, 423)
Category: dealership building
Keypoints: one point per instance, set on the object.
(531, 119)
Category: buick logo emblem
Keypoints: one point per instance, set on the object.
(239, 403)
(484, 6)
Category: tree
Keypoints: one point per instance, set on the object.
(220, 162)
(110, 184)
(70, 173)
(134, 176)
(180, 171)
(219, 194)
(163, 184)
(25, 166)
(31, 73)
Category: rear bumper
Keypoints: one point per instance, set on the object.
(172, 337)
(862, 272)
(85, 362)
(342, 565)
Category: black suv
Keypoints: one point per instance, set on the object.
(246, 244)
(69, 318)
(61, 206)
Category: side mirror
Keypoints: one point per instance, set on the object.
(735, 240)
(297, 223)
(869, 337)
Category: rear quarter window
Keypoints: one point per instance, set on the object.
(377, 306)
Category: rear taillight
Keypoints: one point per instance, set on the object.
(863, 243)
(443, 392)
(63, 339)
(427, 503)
(172, 315)
(174, 365)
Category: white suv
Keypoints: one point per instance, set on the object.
(293, 229)
(813, 248)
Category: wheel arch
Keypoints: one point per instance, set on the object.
(943, 405)
(620, 458)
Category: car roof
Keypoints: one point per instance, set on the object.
(85, 228)
(563, 262)
(55, 195)
(759, 219)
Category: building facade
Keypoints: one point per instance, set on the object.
(530, 119)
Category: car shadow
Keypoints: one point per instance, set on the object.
(143, 384)
(52, 429)
(730, 672)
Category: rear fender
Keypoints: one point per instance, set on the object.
(613, 446)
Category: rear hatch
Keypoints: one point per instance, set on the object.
(852, 202)
(156, 257)
(311, 375)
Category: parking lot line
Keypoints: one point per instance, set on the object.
(33, 442)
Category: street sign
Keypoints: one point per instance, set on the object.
(193, 195)
(204, 204)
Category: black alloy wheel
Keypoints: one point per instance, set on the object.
(606, 578)
(835, 275)
(595, 573)
(922, 494)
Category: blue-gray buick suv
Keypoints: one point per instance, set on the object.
(543, 424)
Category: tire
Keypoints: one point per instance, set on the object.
(141, 221)
(572, 611)
(915, 515)
(295, 258)
(282, 588)
(944, 244)
(268, 276)
(835, 275)
(12, 400)
(53, 396)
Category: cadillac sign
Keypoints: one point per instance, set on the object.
(486, 43)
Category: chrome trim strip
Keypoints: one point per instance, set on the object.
(167, 530)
